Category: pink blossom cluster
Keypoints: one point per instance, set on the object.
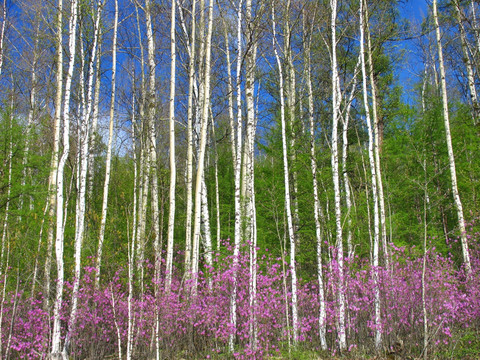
(199, 325)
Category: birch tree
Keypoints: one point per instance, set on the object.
(59, 241)
(189, 182)
(322, 318)
(52, 179)
(377, 140)
(288, 208)
(448, 138)
(467, 58)
(202, 146)
(336, 180)
(237, 153)
(81, 197)
(173, 171)
(108, 161)
(371, 157)
(2, 35)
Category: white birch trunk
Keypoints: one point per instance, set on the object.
(336, 180)
(131, 252)
(217, 195)
(191, 79)
(108, 162)
(448, 138)
(59, 241)
(52, 179)
(249, 172)
(30, 118)
(93, 128)
(322, 318)
(173, 170)
(144, 163)
(468, 62)
(378, 332)
(207, 233)
(291, 234)
(203, 140)
(346, 180)
(2, 35)
(376, 147)
(81, 196)
(237, 172)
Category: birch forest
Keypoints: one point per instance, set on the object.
(247, 179)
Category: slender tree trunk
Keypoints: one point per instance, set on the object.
(131, 248)
(468, 62)
(346, 180)
(2, 35)
(94, 127)
(143, 163)
(173, 170)
(291, 234)
(377, 143)
(191, 80)
(336, 180)
(217, 195)
(31, 115)
(83, 165)
(203, 141)
(108, 163)
(448, 136)
(52, 179)
(322, 318)
(59, 241)
(237, 151)
(377, 321)
(249, 169)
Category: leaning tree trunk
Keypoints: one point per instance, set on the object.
(377, 143)
(448, 138)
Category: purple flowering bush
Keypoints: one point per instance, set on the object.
(198, 326)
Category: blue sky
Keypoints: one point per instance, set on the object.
(415, 11)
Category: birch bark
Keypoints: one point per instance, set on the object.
(203, 140)
(322, 318)
(237, 172)
(336, 181)
(173, 170)
(371, 157)
(108, 161)
(191, 79)
(52, 179)
(377, 144)
(81, 197)
(468, 62)
(291, 234)
(59, 241)
(448, 138)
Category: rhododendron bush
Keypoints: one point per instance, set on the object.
(198, 325)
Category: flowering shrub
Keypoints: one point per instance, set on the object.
(199, 326)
